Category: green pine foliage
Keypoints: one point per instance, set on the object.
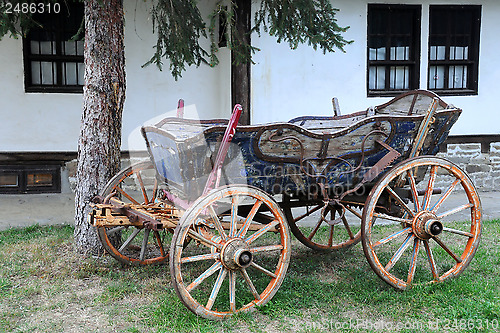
(179, 27)
(297, 22)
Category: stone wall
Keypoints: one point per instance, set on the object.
(483, 167)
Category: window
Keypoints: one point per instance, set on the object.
(30, 179)
(53, 58)
(393, 48)
(454, 49)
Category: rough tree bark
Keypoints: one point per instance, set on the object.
(240, 72)
(103, 98)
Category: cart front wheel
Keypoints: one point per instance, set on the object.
(129, 244)
(421, 222)
(234, 263)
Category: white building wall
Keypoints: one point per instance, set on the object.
(50, 122)
(288, 83)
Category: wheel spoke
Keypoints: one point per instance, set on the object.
(232, 291)
(445, 195)
(391, 218)
(397, 255)
(440, 242)
(160, 243)
(112, 231)
(309, 212)
(458, 232)
(399, 200)
(414, 192)
(316, 228)
(217, 223)
(216, 288)
(155, 190)
(456, 210)
(143, 188)
(250, 284)
(126, 195)
(413, 262)
(347, 227)
(266, 248)
(208, 256)
(263, 270)
(262, 231)
(430, 187)
(209, 272)
(391, 237)
(144, 244)
(330, 237)
(129, 240)
(193, 234)
(234, 217)
(432, 262)
(244, 229)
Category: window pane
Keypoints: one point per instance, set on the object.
(47, 47)
(436, 77)
(39, 179)
(69, 73)
(459, 52)
(9, 180)
(49, 72)
(458, 77)
(81, 73)
(437, 52)
(69, 48)
(36, 72)
(377, 77)
(400, 77)
(400, 53)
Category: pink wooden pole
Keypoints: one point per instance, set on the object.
(180, 108)
(215, 176)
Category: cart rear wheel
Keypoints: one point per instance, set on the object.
(234, 263)
(128, 244)
(334, 232)
(414, 233)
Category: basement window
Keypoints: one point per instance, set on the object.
(16, 179)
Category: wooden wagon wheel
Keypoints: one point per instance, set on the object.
(128, 244)
(333, 232)
(414, 233)
(234, 263)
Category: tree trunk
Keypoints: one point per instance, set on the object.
(103, 98)
(240, 72)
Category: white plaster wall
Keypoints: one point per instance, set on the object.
(33, 122)
(288, 83)
(51, 122)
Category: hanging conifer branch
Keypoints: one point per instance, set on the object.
(179, 27)
(310, 22)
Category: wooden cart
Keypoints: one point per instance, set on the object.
(217, 201)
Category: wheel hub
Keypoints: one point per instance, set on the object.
(426, 225)
(236, 254)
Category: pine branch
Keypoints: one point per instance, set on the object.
(179, 26)
(310, 22)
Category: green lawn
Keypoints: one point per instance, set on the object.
(46, 287)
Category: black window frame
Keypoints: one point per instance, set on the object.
(22, 173)
(413, 62)
(60, 33)
(449, 12)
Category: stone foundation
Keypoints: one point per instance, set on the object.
(483, 167)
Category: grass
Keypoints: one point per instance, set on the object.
(46, 287)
